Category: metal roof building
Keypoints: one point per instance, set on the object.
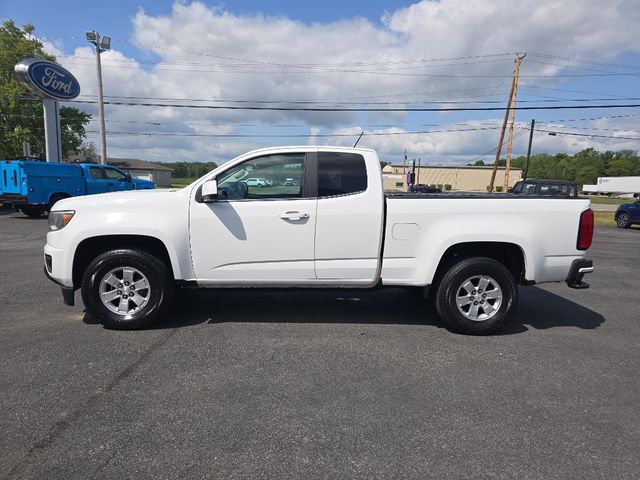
(158, 174)
(466, 178)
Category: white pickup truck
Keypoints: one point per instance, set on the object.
(322, 221)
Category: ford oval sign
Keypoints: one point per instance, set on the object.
(47, 79)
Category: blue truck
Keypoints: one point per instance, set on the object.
(34, 187)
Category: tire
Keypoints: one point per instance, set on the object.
(478, 316)
(107, 273)
(623, 220)
(32, 211)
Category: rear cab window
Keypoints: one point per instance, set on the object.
(96, 173)
(341, 174)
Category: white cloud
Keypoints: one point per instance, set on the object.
(195, 45)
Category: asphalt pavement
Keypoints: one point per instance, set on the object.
(242, 384)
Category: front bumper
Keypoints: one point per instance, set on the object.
(56, 269)
(68, 293)
(579, 268)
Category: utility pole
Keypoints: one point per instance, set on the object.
(413, 173)
(511, 122)
(101, 45)
(511, 99)
(526, 165)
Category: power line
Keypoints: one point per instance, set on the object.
(591, 118)
(325, 135)
(265, 62)
(540, 62)
(582, 60)
(164, 63)
(488, 152)
(575, 134)
(571, 91)
(362, 109)
(301, 70)
(305, 102)
(622, 130)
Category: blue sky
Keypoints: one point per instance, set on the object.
(61, 18)
(369, 53)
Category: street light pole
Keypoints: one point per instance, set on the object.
(101, 46)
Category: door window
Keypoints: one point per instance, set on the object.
(341, 174)
(269, 177)
(113, 174)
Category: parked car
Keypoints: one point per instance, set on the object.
(422, 188)
(34, 187)
(290, 182)
(257, 182)
(561, 188)
(627, 214)
(469, 252)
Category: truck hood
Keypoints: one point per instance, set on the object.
(118, 200)
(141, 183)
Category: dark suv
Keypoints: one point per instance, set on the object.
(556, 188)
(422, 188)
(627, 214)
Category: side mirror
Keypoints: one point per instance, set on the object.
(128, 177)
(210, 191)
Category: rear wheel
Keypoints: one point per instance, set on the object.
(623, 220)
(476, 296)
(32, 211)
(127, 289)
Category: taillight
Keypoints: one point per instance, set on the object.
(585, 231)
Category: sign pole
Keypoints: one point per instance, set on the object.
(52, 138)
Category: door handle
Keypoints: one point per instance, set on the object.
(294, 215)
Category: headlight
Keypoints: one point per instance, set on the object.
(58, 220)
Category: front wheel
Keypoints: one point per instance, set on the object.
(126, 289)
(623, 220)
(477, 296)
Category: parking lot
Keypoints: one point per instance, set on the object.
(320, 385)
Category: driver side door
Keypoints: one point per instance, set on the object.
(117, 181)
(257, 233)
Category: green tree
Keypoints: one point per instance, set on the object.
(21, 116)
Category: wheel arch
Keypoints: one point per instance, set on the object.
(509, 254)
(58, 196)
(90, 248)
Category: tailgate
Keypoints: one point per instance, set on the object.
(11, 178)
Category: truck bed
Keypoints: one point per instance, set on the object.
(423, 226)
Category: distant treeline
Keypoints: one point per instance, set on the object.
(583, 168)
(188, 169)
